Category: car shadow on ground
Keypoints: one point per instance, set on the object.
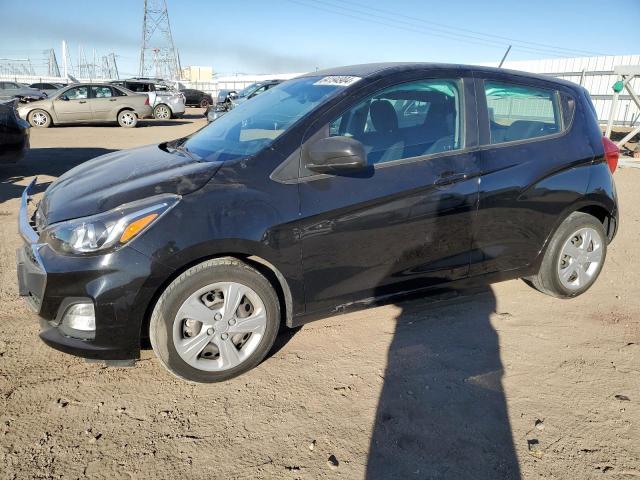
(442, 411)
(42, 161)
(194, 116)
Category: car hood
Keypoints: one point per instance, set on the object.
(122, 177)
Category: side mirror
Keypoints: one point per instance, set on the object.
(335, 154)
(66, 99)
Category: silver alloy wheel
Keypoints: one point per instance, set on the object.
(219, 326)
(127, 118)
(162, 112)
(580, 258)
(39, 118)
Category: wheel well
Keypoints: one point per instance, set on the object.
(270, 272)
(125, 109)
(603, 215)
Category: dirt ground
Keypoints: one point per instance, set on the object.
(506, 383)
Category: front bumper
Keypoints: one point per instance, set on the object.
(120, 284)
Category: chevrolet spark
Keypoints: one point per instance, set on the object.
(329, 191)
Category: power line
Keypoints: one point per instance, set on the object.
(406, 26)
(457, 29)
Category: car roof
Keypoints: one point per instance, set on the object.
(375, 69)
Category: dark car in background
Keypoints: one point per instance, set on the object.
(252, 91)
(196, 98)
(10, 90)
(14, 133)
(48, 88)
(232, 98)
(329, 192)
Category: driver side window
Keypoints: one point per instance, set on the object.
(405, 121)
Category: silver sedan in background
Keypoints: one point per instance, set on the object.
(88, 102)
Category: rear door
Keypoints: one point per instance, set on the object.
(406, 222)
(534, 165)
(104, 102)
(73, 105)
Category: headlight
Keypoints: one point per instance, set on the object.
(108, 230)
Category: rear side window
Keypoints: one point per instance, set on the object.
(518, 112)
(139, 87)
(101, 92)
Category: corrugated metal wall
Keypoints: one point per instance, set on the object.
(595, 74)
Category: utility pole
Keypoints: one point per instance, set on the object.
(157, 52)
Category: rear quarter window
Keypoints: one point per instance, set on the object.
(520, 112)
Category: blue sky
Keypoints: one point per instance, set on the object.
(277, 36)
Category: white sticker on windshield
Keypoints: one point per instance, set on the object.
(338, 80)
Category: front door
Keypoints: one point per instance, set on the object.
(405, 222)
(73, 105)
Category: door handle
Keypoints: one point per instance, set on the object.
(112, 99)
(82, 101)
(448, 178)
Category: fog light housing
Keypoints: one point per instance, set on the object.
(79, 321)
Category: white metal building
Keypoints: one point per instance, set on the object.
(595, 74)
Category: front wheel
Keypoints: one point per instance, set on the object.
(574, 257)
(215, 321)
(39, 119)
(127, 119)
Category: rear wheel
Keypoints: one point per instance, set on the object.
(574, 258)
(127, 118)
(204, 103)
(39, 119)
(215, 321)
(162, 112)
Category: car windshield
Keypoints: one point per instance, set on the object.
(254, 125)
(246, 91)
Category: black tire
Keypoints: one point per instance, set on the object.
(225, 269)
(35, 116)
(127, 119)
(162, 112)
(547, 280)
(204, 103)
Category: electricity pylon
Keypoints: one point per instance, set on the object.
(158, 54)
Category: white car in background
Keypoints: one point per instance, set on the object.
(166, 102)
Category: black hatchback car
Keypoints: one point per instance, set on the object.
(326, 192)
(196, 98)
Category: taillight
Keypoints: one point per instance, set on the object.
(611, 153)
(146, 101)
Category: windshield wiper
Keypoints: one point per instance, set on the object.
(191, 155)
